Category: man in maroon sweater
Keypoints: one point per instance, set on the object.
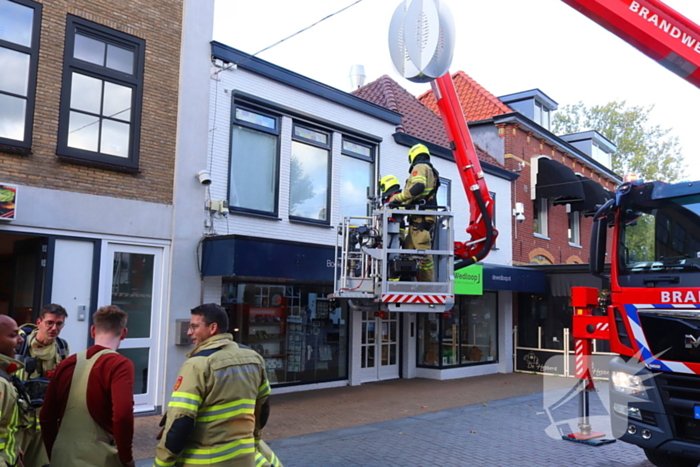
(87, 418)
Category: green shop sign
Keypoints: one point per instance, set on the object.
(470, 280)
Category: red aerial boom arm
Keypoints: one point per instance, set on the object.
(480, 204)
(653, 28)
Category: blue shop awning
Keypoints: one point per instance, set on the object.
(517, 279)
(255, 257)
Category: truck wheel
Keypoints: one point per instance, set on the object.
(663, 459)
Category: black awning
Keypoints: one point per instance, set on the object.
(595, 195)
(558, 182)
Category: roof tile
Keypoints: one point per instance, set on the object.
(477, 102)
(418, 120)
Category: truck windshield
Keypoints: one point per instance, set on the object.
(663, 238)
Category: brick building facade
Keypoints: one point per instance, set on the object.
(88, 138)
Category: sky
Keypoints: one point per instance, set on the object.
(507, 46)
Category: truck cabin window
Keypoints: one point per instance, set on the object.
(663, 238)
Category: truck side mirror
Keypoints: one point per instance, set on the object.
(599, 237)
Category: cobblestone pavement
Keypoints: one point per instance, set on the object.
(516, 431)
(510, 432)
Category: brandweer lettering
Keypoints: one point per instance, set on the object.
(665, 26)
(680, 297)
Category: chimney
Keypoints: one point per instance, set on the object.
(357, 77)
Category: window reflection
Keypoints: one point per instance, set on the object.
(253, 178)
(89, 50)
(83, 131)
(115, 138)
(355, 180)
(12, 117)
(86, 93)
(15, 72)
(104, 100)
(16, 23)
(463, 336)
(309, 182)
(296, 330)
(120, 59)
(117, 102)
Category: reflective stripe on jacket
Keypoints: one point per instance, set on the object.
(222, 387)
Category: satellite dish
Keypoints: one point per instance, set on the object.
(421, 39)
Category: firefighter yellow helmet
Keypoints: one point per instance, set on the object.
(389, 183)
(416, 151)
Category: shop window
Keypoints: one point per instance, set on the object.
(254, 179)
(356, 176)
(463, 336)
(101, 96)
(299, 333)
(309, 184)
(19, 45)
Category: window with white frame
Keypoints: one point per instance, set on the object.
(542, 115)
(254, 164)
(356, 177)
(575, 227)
(541, 209)
(309, 184)
(444, 194)
(101, 95)
(19, 44)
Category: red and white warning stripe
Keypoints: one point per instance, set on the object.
(413, 298)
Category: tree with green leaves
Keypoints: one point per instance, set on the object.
(648, 151)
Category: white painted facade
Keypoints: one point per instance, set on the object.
(391, 158)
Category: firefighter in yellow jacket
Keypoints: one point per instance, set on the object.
(40, 354)
(218, 406)
(420, 189)
(10, 404)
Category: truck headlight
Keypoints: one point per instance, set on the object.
(627, 384)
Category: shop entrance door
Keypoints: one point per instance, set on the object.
(134, 282)
(379, 347)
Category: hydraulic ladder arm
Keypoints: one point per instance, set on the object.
(480, 228)
(654, 28)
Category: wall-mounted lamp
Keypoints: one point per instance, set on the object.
(204, 177)
(519, 212)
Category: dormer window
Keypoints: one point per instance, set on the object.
(533, 104)
(542, 115)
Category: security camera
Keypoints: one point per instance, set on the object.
(519, 212)
(204, 177)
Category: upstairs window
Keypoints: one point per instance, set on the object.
(356, 175)
(542, 115)
(101, 95)
(574, 228)
(254, 167)
(309, 184)
(19, 44)
(444, 194)
(541, 210)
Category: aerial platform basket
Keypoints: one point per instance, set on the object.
(370, 263)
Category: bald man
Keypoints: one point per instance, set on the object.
(10, 339)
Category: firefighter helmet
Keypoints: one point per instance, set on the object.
(389, 185)
(416, 151)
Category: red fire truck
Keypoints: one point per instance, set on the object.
(651, 311)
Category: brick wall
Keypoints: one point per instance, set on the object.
(520, 147)
(158, 22)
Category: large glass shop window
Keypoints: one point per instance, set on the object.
(463, 336)
(299, 334)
